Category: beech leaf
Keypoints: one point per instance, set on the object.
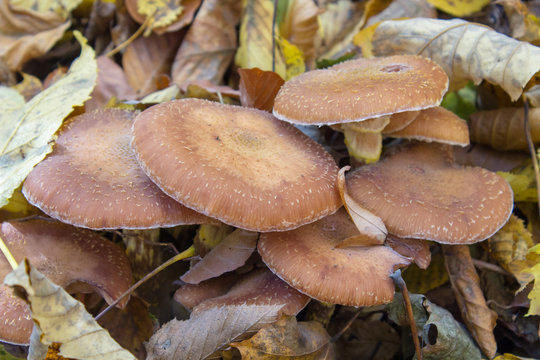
(28, 128)
(466, 51)
(59, 318)
(208, 331)
(459, 8)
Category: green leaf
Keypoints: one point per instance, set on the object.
(461, 102)
(28, 128)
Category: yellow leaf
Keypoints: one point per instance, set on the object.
(511, 242)
(60, 7)
(163, 12)
(364, 40)
(459, 7)
(464, 50)
(59, 318)
(525, 25)
(534, 295)
(421, 281)
(294, 59)
(507, 356)
(28, 128)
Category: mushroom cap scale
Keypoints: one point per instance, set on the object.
(239, 165)
(93, 180)
(307, 258)
(360, 89)
(419, 193)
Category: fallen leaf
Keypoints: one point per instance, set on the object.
(60, 7)
(367, 223)
(525, 24)
(208, 331)
(493, 160)
(59, 318)
(288, 339)
(170, 93)
(399, 9)
(209, 45)
(464, 50)
(510, 243)
(461, 102)
(168, 16)
(523, 181)
(415, 249)
(191, 295)
(293, 57)
(507, 356)
(29, 127)
(209, 236)
(533, 95)
(231, 253)
(29, 86)
(480, 319)
(147, 59)
(526, 271)
(258, 88)
(459, 8)
(421, 281)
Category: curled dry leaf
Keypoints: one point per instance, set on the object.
(288, 339)
(258, 88)
(59, 318)
(29, 127)
(415, 249)
(504, 129)
(228, 255)
(209, 45)
(368, 224)
(208, 331)
(464, 50)
(478, 317)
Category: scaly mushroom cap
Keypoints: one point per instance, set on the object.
(93, 180)
(239, 165)
(419, 193)
(361, 89)
(307, 259)
(70, 257)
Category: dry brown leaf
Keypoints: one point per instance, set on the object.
(228, 255)
(209, 45)
(367, 223)
(208, 331)
(147, 59)
(415, 249)
(464, 50)
(29, 86)
(478, 317)
(258, 88)
(483, 156)
(59, 318)
(191, 295)
(504, 129)
(524, 24)
(178, 13)
(288, 339)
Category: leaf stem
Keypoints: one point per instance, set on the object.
(8, 254)
(132, 38)
(189, 252)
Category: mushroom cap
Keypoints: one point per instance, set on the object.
(307, 259)
(419, 193)
(436, 124)
(239, 165)
(93, 180)
(360, 89)
(68, 256)
(400, 120)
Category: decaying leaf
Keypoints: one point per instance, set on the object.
(209, 45)
(443, 336)
(29, 86)
(415, 249)
(511, 242)
(60, 7)
(59, 318)
(208, 331)
(523, 182)
(480, 319)
(464, 50)
(399, 9)
(459, 8)
(29, 127)
(370, 226)
(493, 160)
(524, 24)
(288, 339)
(167, 16)
(421, 281)
(231, 253)
(526, 271)
(258, 88)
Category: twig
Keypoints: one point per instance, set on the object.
(189, 252)
(491, 267)
(348, 325)
(398, 280)
(531, 148)
(8, 254)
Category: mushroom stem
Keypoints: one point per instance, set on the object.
(189, 252)
(8, 254)
(398, 280)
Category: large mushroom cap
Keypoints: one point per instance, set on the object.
(307, 258)
(419, 193)
(361, 89)
(69, 257)
(92, 179)
(239, 165)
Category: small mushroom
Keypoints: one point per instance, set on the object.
(307, 258)
(419, 193)
(239, 165)
(93, 180)
(76, 259)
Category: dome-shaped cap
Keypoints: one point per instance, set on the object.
(419, 193)
(66, 255)
(92, 179)
(239, 165)
(307, 258)
(361, 89)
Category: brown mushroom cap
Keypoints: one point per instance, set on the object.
(68, 256)
(400, 120)
(307, 259)
(419, 193)
(361, 89)
(92, 179)
(239, 165)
